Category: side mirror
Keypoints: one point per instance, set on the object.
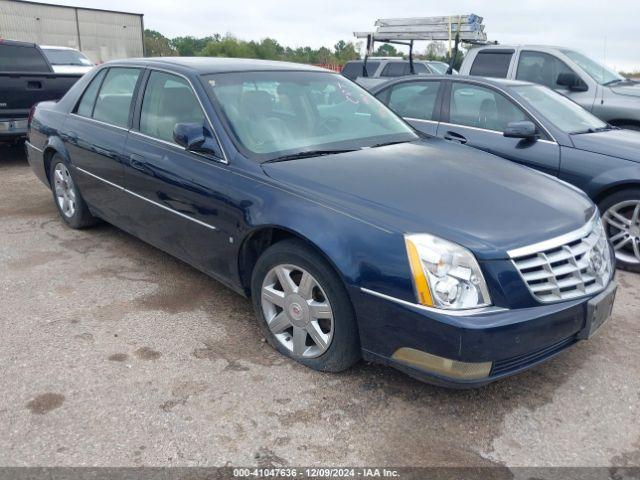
(524, 129)
(194, 137)
(571, 81)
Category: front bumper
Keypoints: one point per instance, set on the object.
(512, 340)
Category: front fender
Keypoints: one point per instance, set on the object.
(613, 179)
(363, 254)
(595, 173)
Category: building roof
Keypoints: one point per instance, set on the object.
(29, 2)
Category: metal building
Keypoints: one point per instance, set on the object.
(100, 34)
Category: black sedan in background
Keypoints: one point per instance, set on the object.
(535, 126)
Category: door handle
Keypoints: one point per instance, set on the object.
(455, 137)
(137, 161)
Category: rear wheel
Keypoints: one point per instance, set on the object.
(303, 307)
(621, 216)
(71, 206)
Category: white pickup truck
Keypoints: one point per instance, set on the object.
(597, 88)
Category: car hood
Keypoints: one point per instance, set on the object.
(477, 200)
(629, 87)
(616, 143)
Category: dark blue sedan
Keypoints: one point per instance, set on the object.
(535, 126)
(353, 236)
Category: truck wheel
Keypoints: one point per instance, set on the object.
(303, 308)
(621, 218)
(69, 202)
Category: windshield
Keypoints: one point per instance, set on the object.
(559, 110)
(595, 70)
(281, 113)
(67, 57)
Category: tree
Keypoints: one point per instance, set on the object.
(191, 46)
(268, 48)
(387, 50)
(157, 45)
(435, 51)
(344, 51)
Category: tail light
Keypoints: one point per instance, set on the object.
(31, 113)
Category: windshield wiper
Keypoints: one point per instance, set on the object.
(308, 154)
(615, 80)
(595, 130)
(384, 144)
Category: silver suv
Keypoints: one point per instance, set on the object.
(597, 88)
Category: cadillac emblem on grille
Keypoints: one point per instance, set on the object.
(571, 266)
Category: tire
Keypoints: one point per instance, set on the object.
(337, 347)
(625, 203)
(67, 198)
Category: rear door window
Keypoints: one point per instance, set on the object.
(85, 107)
(479, 107)
(18, 58)
(541, 68)
(492, 63)
(113, 104)
(415, 99)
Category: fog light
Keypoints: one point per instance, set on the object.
(442, 366)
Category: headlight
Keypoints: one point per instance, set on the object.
(445, 275)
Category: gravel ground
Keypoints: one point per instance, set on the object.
(115, 354)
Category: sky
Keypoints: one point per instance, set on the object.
(603, 30)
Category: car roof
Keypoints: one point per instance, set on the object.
(210, 65)
(388, 59)
(499, 47)
(496, 82)
(16, 43)
(55, 47)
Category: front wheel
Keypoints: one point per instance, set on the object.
(69, 202)
(621, 218)
(303, 308)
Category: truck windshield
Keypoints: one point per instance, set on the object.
(66, 57)
(600, 73)
(559, 110)
(287, 114)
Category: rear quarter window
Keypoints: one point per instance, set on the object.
(492, 63)
(18, 58)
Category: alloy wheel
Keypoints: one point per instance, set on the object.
(297, 311)
(623, 228)
(64, 189)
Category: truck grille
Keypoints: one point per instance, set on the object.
(567, 267)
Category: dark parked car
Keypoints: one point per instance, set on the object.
(535, 126)
(26, 78)
(353, 236)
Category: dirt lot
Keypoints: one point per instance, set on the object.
(113, 353)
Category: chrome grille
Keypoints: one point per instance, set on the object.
(567, 267)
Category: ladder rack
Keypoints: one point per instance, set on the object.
(406, 31)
